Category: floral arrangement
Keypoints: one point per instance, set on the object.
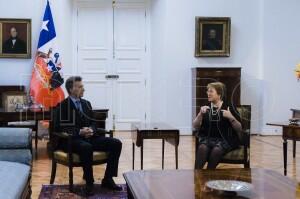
(297, 72)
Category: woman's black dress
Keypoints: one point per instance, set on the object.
(217, 131)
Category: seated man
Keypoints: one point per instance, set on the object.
(75, 117)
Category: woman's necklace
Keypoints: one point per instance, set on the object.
(215, 112)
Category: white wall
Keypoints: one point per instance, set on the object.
(173, 55)
(18, 71)
(281, 54)
(264, 42)
(158, 96)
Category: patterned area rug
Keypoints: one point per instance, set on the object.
(62, 192)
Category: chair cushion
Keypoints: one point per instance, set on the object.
(14, 177)
(237, 154)
(16, 155)
(16, 138)
(63, 156)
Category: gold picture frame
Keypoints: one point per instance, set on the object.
(12, 99)
(15, 38)
(212, 36)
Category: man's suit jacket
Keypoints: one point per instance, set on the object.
(69, 119)
(19, 47)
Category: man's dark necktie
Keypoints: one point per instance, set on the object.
(79, 109)
(78, 106)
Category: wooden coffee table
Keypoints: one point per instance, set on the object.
(141, 131)
(181, 184)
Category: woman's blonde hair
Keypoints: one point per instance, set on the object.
(219, 87)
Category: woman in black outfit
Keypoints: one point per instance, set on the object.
(219, 128)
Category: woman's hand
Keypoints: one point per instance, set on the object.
(203, 109)
(227, 114)
(236, 125)
(198, 120)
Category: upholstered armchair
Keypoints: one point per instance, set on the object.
(240, 155)
(69, 158)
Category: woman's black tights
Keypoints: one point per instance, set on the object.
(212, 155)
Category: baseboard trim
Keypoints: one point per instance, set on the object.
(271, 130)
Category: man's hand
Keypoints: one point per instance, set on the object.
(86, 132)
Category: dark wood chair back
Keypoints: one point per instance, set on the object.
(245, 115)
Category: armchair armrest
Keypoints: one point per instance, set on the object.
(62, 134)
(69, 138)
(197, 132)
(246, 144)
(104, 132)
(246, 138)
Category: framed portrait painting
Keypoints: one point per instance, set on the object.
(15, 38)
(212, 37)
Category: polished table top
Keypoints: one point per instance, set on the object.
(24, 115)
(284, 124)
(151, 126)
(190, 184)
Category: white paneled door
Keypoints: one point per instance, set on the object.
(111, 58)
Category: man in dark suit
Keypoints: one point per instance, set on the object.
(75, 117)
(14, 44)
(211, 42)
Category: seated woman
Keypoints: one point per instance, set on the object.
(219, 128)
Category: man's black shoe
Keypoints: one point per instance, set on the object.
(110, 184)
(89, 190)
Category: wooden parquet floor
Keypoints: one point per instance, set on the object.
(266, 152)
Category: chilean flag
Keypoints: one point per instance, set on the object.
(46, 80)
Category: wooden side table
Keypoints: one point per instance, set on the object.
(141, 131)
(295, 114)
(289, 132)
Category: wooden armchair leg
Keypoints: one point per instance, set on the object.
(71, 179)
(196, 145)
(111, 133)
(294, 148)
(53, 172)
(247, 164)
